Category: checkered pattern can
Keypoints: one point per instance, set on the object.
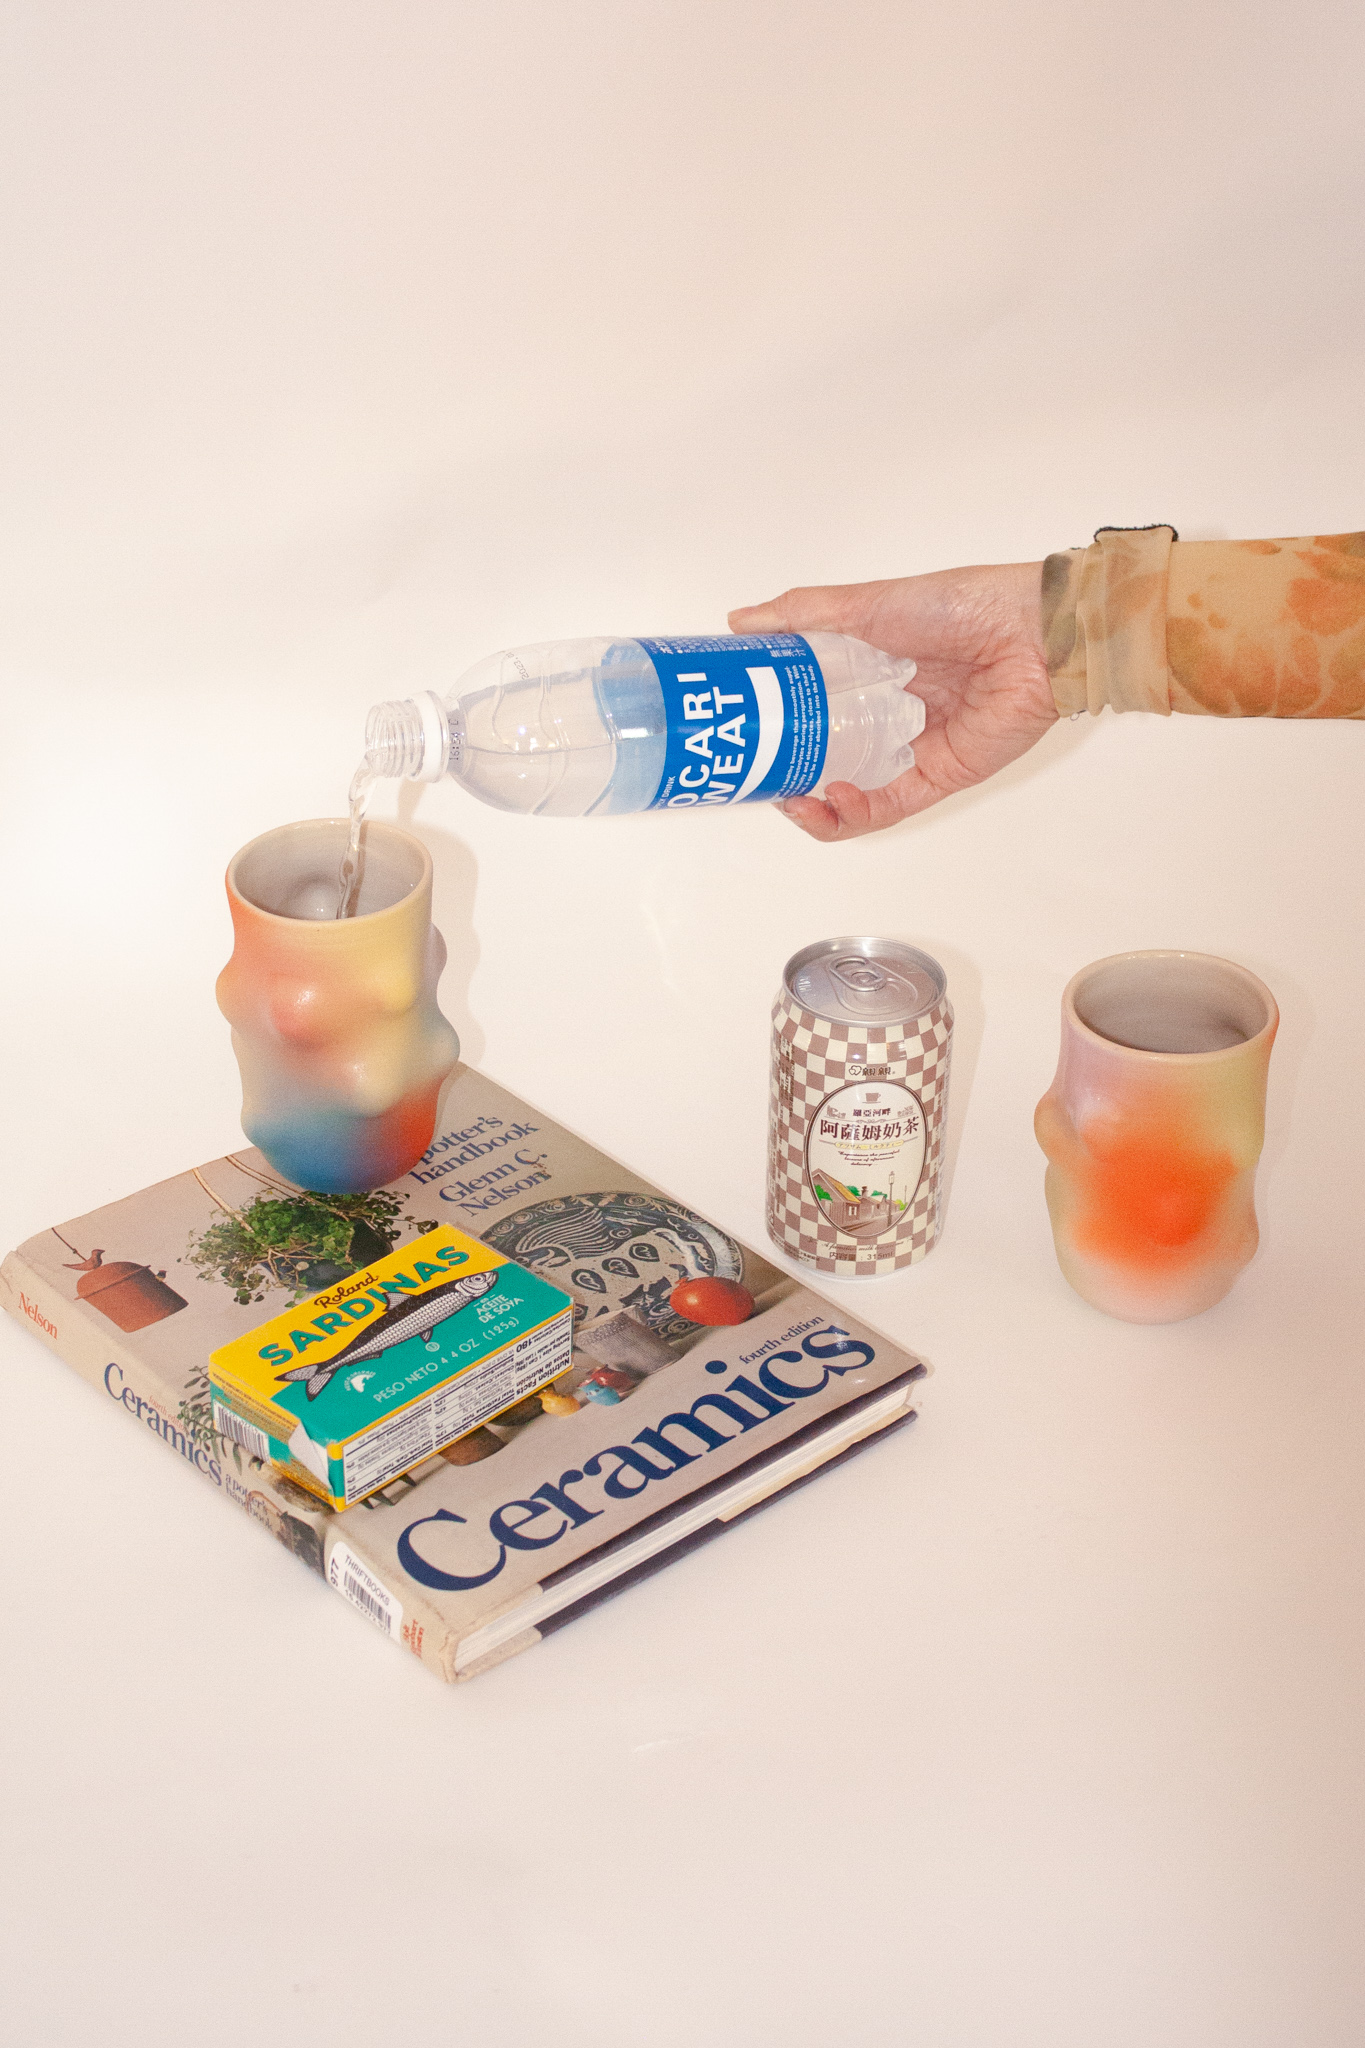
(862, 1037)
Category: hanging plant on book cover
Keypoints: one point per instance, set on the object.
(298, 1242)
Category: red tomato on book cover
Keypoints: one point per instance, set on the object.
(712, 1302)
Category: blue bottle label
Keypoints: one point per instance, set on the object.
(748, 718)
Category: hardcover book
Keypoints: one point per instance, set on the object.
(687, 1419)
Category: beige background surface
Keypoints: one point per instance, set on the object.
(343, 344)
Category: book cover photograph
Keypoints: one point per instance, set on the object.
(477, 1400)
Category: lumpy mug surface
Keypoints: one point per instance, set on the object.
(340, 1042)
(1152, 1129)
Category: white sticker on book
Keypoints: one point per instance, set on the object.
(358, 1584)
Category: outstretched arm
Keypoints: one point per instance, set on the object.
(1138, 621)
(977, 636)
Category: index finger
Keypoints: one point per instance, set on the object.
(843, 811)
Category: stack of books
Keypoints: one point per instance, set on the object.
(686, 1420)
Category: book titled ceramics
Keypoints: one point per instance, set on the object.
(671, 1429)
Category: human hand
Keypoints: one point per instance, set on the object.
(977, 637)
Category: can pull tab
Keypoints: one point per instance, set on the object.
(858, 976)
(870, 990)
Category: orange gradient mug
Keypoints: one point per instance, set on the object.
(1152, 1128)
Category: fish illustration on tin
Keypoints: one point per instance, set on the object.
(404, 1316)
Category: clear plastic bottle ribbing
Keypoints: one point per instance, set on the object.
(578, 728)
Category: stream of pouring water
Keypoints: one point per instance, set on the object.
(353, 861)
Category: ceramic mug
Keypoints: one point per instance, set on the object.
(334, 1020)
(1152, 1129)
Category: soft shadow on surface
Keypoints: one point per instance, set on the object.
(454, 886)
(1298, 1023)
(969, 1022)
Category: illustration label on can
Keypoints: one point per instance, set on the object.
(748, 718)
(865, 1156)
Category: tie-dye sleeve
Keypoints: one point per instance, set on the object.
(1239, 629)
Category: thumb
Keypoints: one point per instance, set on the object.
(827, 608)
(758, 618)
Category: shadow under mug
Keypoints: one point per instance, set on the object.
(341, 1046)
(1152, 1128)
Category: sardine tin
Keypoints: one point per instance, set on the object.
(862, 1039)
(356, 1385)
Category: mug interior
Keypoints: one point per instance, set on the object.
(1172, 1003)
(295, 871)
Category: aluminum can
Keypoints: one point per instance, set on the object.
(862, 1038)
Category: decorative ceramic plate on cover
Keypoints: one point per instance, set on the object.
(619, 1251)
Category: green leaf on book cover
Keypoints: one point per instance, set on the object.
(195, 1416)
(195, 1413)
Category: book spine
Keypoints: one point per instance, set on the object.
(101, 1357)
(359, 1574)
(319, 1539)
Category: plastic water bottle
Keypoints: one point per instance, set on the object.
(579, 728)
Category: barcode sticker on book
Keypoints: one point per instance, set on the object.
(242, 1432)
(358, 1584)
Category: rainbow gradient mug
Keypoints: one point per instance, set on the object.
(1152, 1128)
(334, 1021)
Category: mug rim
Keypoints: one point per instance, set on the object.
(1072, 1016)
(381, 825)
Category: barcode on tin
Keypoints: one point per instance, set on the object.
(244, 1433)
(357, 1583)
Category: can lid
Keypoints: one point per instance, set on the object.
(865, 981)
